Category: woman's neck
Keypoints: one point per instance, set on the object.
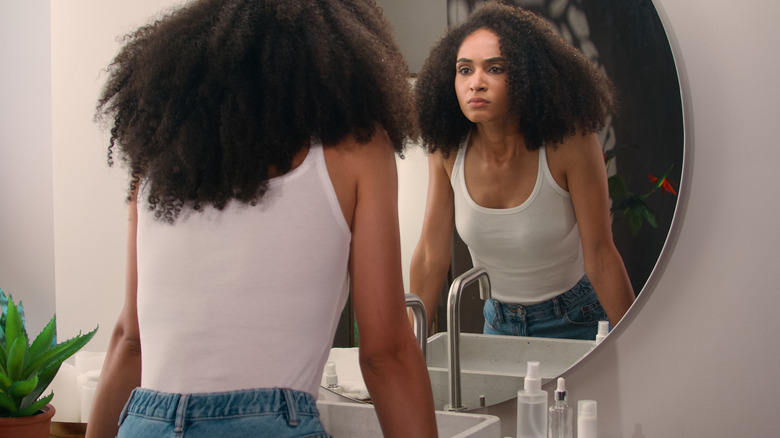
(498, 143)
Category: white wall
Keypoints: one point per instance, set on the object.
(26, 217)
(700, 357)
(697, 359)
(89, 208)
(412, 191)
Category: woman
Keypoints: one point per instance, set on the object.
(509, 114)
(260, 138)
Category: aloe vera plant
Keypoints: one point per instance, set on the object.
(26, 370)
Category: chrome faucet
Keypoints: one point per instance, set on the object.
(420, 320)
(453, 328)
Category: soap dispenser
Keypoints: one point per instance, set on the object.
(532, 405)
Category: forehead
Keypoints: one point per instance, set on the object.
(482, 43)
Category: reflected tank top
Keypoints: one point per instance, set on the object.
(532, 251)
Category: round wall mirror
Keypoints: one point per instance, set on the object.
(626, 39)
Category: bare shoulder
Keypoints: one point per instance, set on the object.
(579, 153)
(440, 162)
(575, 147)
(349, 155)
(351, 164)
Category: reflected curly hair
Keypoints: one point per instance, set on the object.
(554, 90)
(204, 101)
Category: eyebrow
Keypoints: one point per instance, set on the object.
(497, 58)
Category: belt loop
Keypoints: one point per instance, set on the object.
(123, 415)
(181, 412)
(499, 308)
(292, 410)
(558, 306)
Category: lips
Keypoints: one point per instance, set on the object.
(477, 102)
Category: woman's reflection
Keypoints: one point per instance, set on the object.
(509, 114)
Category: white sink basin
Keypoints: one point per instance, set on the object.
(494, 366)
(348, 420)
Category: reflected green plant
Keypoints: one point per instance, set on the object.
(632, 206)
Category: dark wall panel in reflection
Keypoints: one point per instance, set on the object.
(635, 52)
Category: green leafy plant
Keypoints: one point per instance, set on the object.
(629, 205)
(26, 370)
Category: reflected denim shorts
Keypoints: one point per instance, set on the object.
(278, 413)
(574, 314)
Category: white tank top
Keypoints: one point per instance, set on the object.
(532, 251)
(247, 297)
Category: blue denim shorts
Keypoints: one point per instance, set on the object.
(278, 413)
(574, 314)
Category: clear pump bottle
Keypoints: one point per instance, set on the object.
(560, 418)
(532, 405)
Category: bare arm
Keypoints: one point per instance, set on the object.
(587, 183)
(122, 368)
(390, 358)
(431, 257)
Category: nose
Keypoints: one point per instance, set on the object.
(477, 81)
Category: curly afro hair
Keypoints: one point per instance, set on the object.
(554, 89)
(204, 101)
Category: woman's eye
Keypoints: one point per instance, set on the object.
(464, 70)
(496, 69)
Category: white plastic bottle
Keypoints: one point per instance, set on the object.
(603, 331)
(331, 378)
(587, 419)
(532, 405)
(560, 418)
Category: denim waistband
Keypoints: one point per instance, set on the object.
(553, 306)
(170, 407)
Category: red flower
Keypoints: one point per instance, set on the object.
(664, 184)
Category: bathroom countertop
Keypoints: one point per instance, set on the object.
(60, 429)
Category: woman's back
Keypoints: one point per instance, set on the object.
(257, 287)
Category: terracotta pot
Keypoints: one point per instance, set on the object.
(36, 426)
